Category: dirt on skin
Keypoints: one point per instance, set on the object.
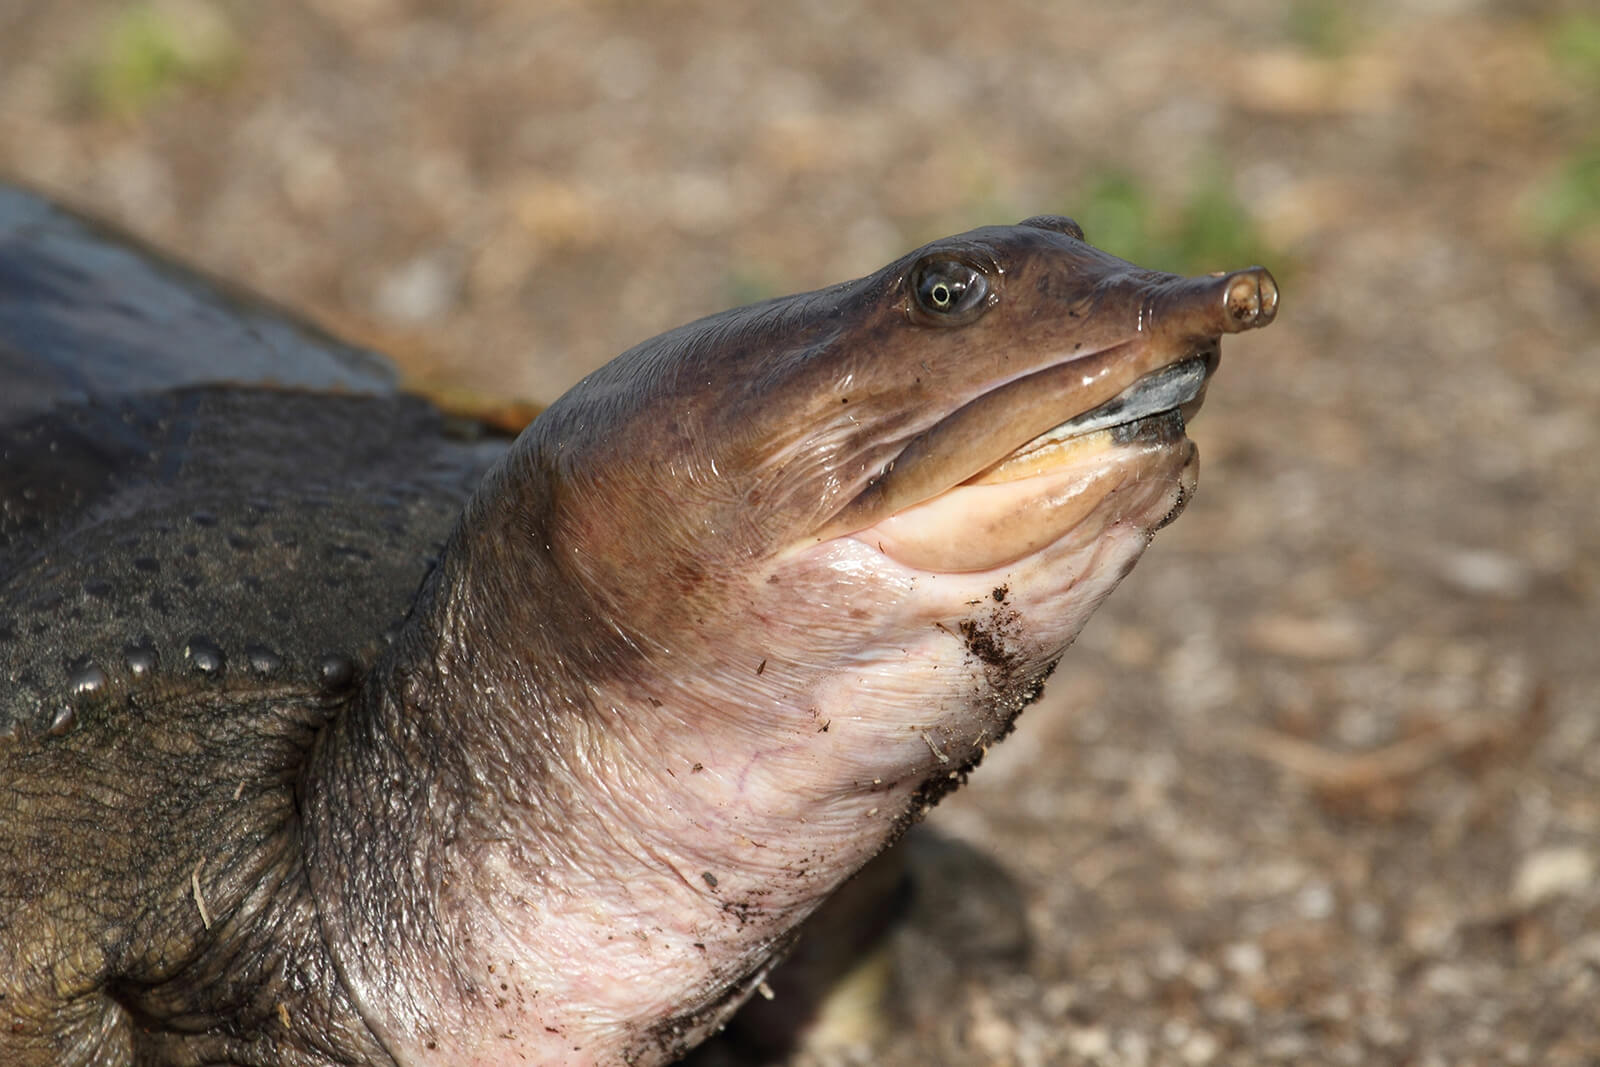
(1321, 783)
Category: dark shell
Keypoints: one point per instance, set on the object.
(200, 497)
(87, 312)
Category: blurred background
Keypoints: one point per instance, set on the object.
(1321, 784)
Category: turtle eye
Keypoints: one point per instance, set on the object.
(950, 290)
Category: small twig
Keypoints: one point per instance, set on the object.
(1400, 761)
(1353, 771)
(199, 901)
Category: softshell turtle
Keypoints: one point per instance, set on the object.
(331, 735)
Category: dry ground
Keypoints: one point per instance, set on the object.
(1322, 783)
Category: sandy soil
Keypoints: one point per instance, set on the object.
(1321, 784)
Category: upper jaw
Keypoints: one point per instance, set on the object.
(1177, 386)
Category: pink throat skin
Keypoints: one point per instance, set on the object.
(827, 710)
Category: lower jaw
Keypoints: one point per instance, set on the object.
(1139, 473)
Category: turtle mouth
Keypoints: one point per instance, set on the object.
(1155, 406)
(1017, 430)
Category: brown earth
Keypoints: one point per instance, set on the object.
(1321, 784)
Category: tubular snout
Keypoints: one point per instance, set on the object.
(1215, 304)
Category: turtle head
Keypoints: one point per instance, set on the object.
(946, 463)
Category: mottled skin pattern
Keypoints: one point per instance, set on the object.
(328, 736)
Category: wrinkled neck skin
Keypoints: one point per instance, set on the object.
(580, 818)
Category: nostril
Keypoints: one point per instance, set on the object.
(1251, 298)
(1269, 297)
